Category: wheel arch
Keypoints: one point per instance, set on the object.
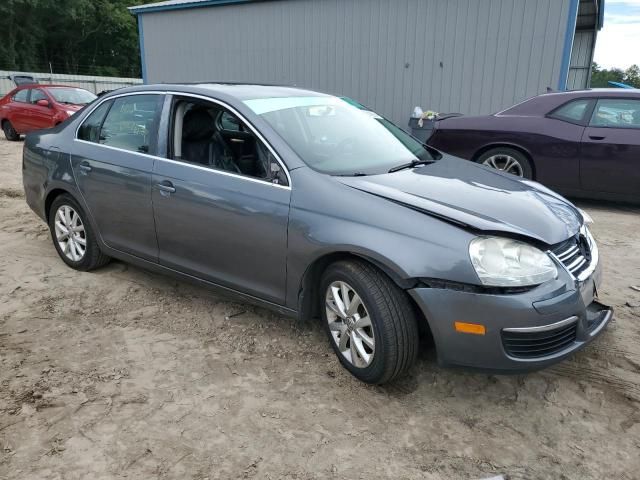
(51, 196)
(484, 149)
(308, 293)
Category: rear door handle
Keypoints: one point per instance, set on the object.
(85, 167)
(596, 137)
(166, 188)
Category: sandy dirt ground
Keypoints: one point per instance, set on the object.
(124, 373)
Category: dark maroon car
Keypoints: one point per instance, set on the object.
(582, 143)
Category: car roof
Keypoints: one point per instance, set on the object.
(546, 102)
(239, 91)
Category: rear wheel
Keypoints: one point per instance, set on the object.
(72, 235)
(10, 132)
(507, 160)
(369, 320)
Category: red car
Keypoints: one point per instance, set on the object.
(33, 107)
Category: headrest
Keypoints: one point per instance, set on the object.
(197, 125)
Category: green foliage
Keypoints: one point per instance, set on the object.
(94, 37)
(600, 77)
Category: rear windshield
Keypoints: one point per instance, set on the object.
(71, 96)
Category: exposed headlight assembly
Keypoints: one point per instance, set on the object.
(586, 218)
(502, 262)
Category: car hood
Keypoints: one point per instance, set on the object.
(477, 197)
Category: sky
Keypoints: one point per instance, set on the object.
(618, 43)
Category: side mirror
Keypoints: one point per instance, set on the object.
(43, 103)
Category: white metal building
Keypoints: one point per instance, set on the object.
(468, 56)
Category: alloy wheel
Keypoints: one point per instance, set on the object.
(505, 163)
(350, 324)
(70, 233)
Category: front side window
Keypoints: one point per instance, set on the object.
(21, 96)
(573, 111)
(89, 131)
(333, 136)
(207, 134)
(71, 96)
(37, 95)
(616, 113)
(132, 123)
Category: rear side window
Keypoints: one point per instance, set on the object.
(616, 113)
(21, 96)
(573, 111)
(132, 123)
(90, 128)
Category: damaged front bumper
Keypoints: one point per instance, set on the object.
(523, 331)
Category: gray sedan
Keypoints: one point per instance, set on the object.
(315, 207)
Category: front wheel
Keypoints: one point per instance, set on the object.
(10, 132)
(72, 235)
(369, 320)
(507, 160)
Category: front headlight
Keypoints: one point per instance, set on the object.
(502, 262)
(70, 112)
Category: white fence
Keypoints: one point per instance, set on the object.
(93, 84)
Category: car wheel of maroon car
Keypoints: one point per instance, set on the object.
(507, 160)
(10, 132)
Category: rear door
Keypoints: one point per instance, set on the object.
(19, 111)
(112, 162)
(610, 160)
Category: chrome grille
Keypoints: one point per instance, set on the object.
(577, 254)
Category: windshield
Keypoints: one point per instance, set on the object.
(70, 95)
(333, 136)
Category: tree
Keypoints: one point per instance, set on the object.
(96, 37)
(600, 77)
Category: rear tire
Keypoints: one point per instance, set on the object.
(72, 235)
(383, 327)
(10, 132)
(508, 160)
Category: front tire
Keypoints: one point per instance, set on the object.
(507, 160)
(10, 132)
(72, 235)
(369, 320)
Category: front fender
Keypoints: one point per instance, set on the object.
(328, 218)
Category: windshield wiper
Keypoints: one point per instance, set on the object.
(411, 164)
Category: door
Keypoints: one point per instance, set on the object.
(610, 160)
(113, 163)
(217, 218)
(39, 116)
(19, 114)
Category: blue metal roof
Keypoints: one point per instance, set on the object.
(180, 5)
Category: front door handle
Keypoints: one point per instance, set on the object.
(166, 188)
(596, 137)
(85, 167)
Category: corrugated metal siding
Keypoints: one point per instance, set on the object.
(468, 56)
(579, 71)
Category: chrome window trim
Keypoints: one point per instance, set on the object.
(543, 328)
(178, 162)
